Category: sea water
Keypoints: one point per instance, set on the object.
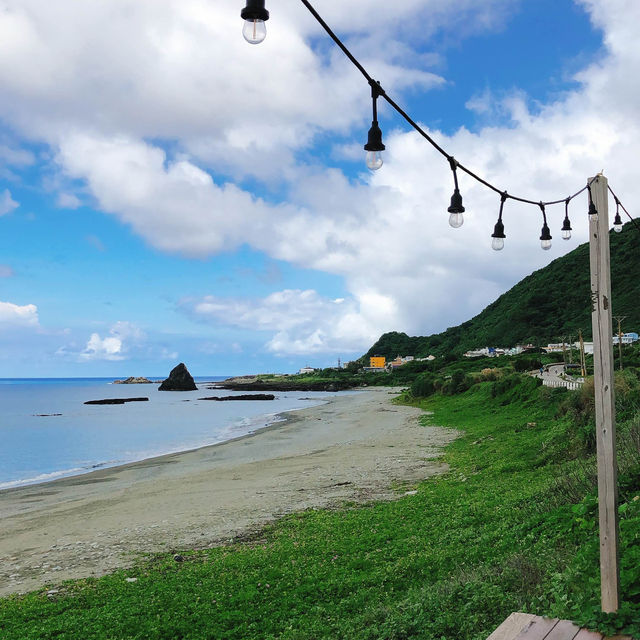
(47, 432)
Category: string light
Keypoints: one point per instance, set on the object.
(254, 31)
(593, 212)
(374, 146)
(566, 225)
(455, 208)
(497, 244)
(617, 222)
(254, 15)
(545, 236)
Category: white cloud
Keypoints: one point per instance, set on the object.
(68, 201)
(7, 203)
(301, 321)
(109, 348)
(15, 157)
(122, 339)
(13, 315)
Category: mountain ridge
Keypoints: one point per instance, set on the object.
(544, 306)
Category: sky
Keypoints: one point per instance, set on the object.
(170, 193)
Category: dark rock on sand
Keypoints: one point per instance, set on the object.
(243, 396)
(179, 380)
(116, 400)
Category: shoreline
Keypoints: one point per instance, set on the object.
(266, 420)
(353, 447)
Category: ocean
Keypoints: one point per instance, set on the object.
(47, 432)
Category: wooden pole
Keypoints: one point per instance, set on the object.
(599, 260)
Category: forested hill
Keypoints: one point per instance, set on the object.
(551, 302)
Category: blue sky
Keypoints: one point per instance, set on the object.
(171, 193)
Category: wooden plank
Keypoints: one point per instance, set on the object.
(588, 635)
(564, 630)
(537, 629)
(599, 261)
(512, 626)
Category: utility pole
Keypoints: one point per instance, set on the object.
(570, 349)
(600, 269)
(620, 319)
(583, 363)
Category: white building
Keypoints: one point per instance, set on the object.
(627, 338)
(306, 370)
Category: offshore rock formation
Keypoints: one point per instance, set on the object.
(134, 380)
(116, 400)
(179, 380)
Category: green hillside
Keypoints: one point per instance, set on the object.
(551, 302)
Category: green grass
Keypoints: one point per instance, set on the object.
(496, 534)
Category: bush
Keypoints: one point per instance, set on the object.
(527, 364)
(423, 386)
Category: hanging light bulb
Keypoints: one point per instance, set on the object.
(545, 236)
(254, 16)
(566, 225)
(455, 208)
(617, 221)
(497, 242)
(374, 146)
(593, 212)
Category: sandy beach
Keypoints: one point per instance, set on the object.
(356, 447)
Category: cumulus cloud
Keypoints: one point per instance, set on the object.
(68, 201)
(301, 321)
(121, 340)
(7, 203)
(13, 315)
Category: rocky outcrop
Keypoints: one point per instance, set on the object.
(116, 400)
(134, 380)
(242, 396)
(179, 380)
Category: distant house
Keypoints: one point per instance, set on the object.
(399, 361)
(627, 338)
(476, 353)
(306, 370)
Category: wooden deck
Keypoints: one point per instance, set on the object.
(525, 626)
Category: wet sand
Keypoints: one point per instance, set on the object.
(357, 447)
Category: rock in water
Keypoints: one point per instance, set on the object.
(179, 380)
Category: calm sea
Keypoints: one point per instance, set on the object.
(37, 445)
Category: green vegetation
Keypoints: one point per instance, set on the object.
(549, 303)
(511, 527)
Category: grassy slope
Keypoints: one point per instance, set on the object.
(491, 537)
(549, 303)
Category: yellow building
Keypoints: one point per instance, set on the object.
(377, 362)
